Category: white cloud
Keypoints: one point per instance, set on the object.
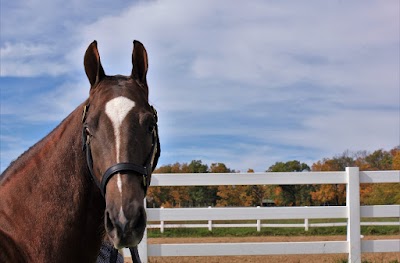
(26, 60)
(311, 76)
(38, 35)
(276, 45)
(46, 106)
(346, 129)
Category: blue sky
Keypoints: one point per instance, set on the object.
(247, 83)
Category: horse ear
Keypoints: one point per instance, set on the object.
(93, 68)
(139, 62)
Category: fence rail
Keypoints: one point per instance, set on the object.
(353, 212)
(258, 224)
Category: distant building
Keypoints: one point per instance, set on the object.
(268, 202)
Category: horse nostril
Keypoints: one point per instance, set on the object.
(109, 224)
(140, 220)
(115, 225)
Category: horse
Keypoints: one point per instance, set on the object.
(87, 179)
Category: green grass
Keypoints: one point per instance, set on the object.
(285, 231)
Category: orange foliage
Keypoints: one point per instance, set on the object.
(233, 196)
(396, 160)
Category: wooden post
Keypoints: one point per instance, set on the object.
(353, 214)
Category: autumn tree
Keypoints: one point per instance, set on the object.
(231, 195)
(259, 192)
(175, 196)
(186, 196)
(396, 159)
(332, 194)
(220, 168)
(386, 193)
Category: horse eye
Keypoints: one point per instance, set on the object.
(150, 129)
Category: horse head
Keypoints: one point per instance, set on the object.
(120, 137)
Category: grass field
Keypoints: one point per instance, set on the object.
(281, 231)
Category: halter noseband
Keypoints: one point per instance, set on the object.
(145, 170)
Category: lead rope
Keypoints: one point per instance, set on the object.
(134, 255)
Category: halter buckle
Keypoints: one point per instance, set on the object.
(85, 110)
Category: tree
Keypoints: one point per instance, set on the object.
(292, 194)
(235, 195)
(200, 195)
(290, 166)
(379, 160)
(175, 196)
(196, 166)
(332, 194)
(258, 192)
(382, 194)
(379, 194)
(219, 168)
(396, 159)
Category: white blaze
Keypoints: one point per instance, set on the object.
(117, 109)
(119, 183)
(121, 216)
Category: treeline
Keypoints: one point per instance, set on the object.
(281, 195)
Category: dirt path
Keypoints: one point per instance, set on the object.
(328, 258)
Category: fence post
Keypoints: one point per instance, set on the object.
(353, 214)
(162, 224)
(209, 222)
(306, 223)
(258, 223)
(142, 247)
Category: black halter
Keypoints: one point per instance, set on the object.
(145, 170)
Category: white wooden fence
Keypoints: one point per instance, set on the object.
(258, 225)
(353, 212)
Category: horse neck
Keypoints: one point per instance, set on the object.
(52, 195)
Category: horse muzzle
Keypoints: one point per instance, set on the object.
(125, 229)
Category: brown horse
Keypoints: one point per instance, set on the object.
(88, 177)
